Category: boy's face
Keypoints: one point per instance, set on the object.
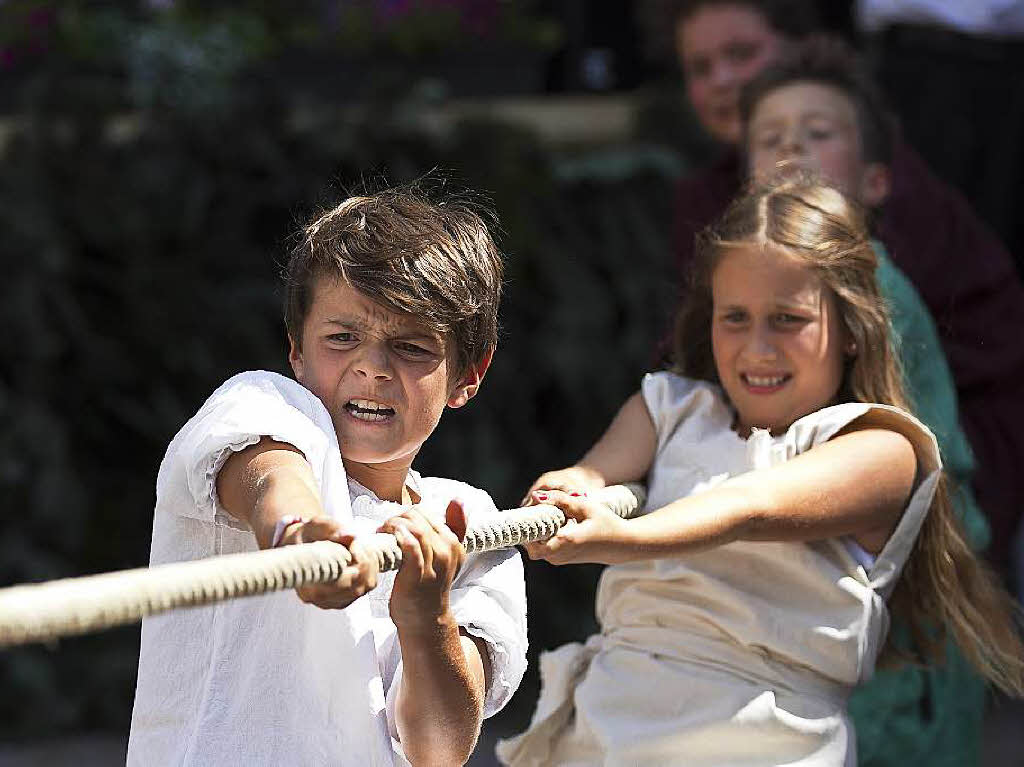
(721, 48)
(384, 377)
(809, 126)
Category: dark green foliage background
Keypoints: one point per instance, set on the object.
(141, 248)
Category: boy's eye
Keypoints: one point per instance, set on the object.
(820, 132)
(410, 349)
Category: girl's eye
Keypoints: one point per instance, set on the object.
(768, 140)
(820, 132)
(734, 318)
(789, 319)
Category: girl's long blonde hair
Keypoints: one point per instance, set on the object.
(944, 586)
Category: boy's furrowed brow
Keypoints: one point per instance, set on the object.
(349, 323)
(771, 121)
(411, 331)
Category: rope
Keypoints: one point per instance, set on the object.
(46, 611)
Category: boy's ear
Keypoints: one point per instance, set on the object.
(469, 384)
(875, 184)
(295, 358)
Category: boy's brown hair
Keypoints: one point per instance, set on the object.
(434, 260)
(828, 61)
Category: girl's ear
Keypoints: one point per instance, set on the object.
(875, 184)
(295, 358)
(469, 384)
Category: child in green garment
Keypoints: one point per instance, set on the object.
(816, 112)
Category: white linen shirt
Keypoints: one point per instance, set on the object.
(269, 680)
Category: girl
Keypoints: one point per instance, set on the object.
(796, 503)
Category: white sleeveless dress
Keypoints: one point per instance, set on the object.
(740, 655)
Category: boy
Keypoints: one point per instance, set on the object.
(816, 112)
(391, 311)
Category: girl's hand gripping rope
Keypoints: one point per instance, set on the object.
(592, 533)
(574, 478)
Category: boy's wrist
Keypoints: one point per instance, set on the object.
(281, 526)
(425, 624)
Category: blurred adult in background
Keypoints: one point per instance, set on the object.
(964, 273)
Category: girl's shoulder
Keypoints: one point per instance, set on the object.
(666, 388)
(822, 425)
(673, 400)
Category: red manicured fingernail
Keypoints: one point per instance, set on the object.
(574, 494)
(541, 496)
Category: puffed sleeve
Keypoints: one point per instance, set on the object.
(488, 599)
(824, 424)
(243, 409)
(672, 399)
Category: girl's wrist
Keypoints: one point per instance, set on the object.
(626, 546)
(590, 477)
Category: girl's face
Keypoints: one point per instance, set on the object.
(777, 337)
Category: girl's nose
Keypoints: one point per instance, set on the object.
(760, 347)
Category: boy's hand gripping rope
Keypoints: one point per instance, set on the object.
(46, 611)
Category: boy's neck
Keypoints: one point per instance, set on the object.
(386, 480)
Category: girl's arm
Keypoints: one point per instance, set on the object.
(623, 454)
(855, 484)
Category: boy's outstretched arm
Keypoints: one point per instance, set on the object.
(440, 702)
(270, 480)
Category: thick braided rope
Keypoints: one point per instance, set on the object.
(46, 611)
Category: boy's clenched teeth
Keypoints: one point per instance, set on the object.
(368, 410)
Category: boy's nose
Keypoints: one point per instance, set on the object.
(374, 363)
(792, 146)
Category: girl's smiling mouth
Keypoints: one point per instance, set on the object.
(764, 384)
